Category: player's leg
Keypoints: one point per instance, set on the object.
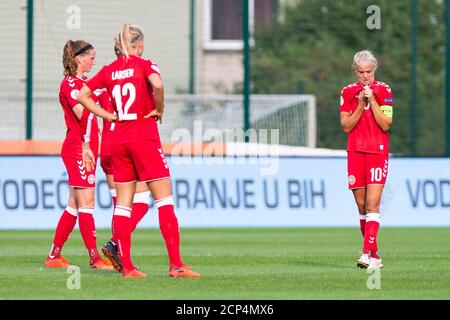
(138, 210)
(373, 198)
(168, 223)
(125, 178)
(106, 165)
(113, 192)
(110, 249)
(360, 199)
(357, 183)
(153, 168)
(140, 204)
(356, 163)
(86, 199)
(376, 177)
(122, 227)
(64, 228)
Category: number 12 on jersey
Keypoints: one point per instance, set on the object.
(118, 93)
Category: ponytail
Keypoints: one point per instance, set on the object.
(127, 38)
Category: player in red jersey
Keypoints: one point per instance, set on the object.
(137, 94)
(141, 197)
(78, 58)
(366, 116)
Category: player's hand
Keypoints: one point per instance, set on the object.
(362, 102)
(156, 115)
(88, 157)
(368, 93)
(112, 117)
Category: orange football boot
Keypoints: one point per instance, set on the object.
(101, 264)
(135, 273)
(182, 272)
(59, 262)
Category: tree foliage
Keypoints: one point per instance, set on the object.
(310, 50)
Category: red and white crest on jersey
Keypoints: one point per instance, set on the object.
(366, 136)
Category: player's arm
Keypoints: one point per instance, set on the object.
(158, 92)
(84, 97)
(349, 121)
(78, 110)
(382, 117)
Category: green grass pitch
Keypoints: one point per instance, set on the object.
(238, 263)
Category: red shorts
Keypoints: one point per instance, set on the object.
(139, 161)
(366, 168)
(78, 176)
(105, 163)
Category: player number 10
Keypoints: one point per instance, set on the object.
(376, 173)
(117, 93)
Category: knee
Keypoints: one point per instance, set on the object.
(372, 206)
(86, 203)
(361, 206)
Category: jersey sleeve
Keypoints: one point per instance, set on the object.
(387, 96)
(71, 91)
(150, 67)
(97, 81)
(387, 101)
(345, 105)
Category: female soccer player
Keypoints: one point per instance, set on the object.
(78, 59)
(137, 94)
(366, 116)
(141, 197)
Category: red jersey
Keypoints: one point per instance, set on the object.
(68, 91)
(366, 136)
(104, 101)
(126, 81)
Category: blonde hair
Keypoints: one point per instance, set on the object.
(70, 51)
(364, 55)
(127, 38)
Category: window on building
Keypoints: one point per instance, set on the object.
(223, 27)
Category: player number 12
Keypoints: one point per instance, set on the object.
(117, 93)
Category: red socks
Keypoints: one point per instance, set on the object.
(362, 223)
(87, 229)
(64, 228)
(122, 235)
(371, 232)
(168, 225)
(139, 209)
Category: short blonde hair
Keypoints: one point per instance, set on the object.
(364, 55)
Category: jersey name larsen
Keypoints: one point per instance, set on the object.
(122, 74)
